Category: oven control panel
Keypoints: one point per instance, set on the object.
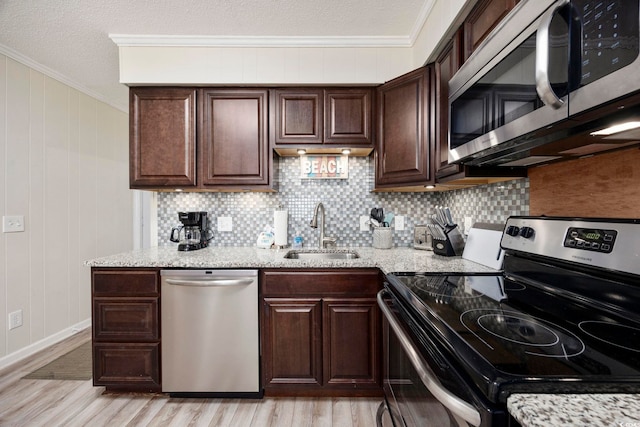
(590, 239)
(602, 243)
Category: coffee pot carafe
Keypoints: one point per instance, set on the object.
(194, 232)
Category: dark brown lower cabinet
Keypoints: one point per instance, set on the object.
(126, 329)
(294, 344)
(321, 332)
(127, 366)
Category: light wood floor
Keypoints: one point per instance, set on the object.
(79, 403)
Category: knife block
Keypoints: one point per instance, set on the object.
(453, 245)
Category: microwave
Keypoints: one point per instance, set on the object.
(545, 78)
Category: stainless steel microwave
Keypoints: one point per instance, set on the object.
(550, 73)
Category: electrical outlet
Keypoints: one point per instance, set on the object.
(15, 319)
(399, 222)
(12, 223)
(225, 223)
(364, 223)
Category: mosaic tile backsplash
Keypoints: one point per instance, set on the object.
(345, 200)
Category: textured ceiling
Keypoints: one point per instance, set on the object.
(70, 37)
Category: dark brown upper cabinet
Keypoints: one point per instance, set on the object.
(404, 149)
(234, 148)
(298, 116)
(483, 18)
(347, 116)
(162, 137)
(447, 63)
(226, 130)
(322, 118)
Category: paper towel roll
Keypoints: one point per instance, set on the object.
(280, 218)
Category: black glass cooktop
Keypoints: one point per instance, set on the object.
(516, 336)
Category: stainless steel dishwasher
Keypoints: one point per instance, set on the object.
(210, 333)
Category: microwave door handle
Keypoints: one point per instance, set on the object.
(452, 402)
(543, 85)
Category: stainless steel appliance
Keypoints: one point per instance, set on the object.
(210, 333)
(548, 75)
(422, 238)
(194, 233)
(562, 317)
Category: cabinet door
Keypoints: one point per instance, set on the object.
(162, 137)
(127, 366)
(347, 116)
(404, 142)
(485, 15)
(291, 337)
(351, 329)
(125, 319)
(298, 116)
(445, 67)
(234, 147)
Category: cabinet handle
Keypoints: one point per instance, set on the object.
(214, 282)
(543, 85)
(452, 402)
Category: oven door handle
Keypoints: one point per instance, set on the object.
(452, 402)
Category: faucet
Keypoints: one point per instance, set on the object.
(314, 224)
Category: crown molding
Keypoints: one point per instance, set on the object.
(133, 40)
(425, 11)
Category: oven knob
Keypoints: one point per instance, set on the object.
(526, 232)
(512, 230)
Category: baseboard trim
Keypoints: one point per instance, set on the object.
(32, 349)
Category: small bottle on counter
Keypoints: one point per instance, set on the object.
(298, 241)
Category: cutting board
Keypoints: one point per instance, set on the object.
(483, 246)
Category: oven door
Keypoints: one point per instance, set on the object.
(414, 376)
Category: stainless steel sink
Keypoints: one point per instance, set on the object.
(321, 254)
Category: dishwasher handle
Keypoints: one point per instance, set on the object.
(211, 282)
(456, 405)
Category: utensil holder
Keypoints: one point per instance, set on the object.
(382, 238)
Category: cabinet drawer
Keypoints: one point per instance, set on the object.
(132, 366)
(286, 283)
(125, 283)
(131, 319)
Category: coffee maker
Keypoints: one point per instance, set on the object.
(194, 233)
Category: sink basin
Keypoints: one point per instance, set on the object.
(321, 254)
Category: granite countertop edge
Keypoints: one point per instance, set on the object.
(569, 410)
(400, 259)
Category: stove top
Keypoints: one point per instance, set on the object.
(514, 336)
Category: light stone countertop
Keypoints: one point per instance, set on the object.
(575, 410)
(388, 260)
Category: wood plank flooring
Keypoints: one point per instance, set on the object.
(79, 403)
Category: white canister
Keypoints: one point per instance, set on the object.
(382, 237)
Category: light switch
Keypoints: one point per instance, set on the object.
(12, 223)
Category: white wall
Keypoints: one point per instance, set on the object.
(261, 65)
(64, 166)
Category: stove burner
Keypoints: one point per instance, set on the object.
(519, 330)
(613, 333)
(536, 336)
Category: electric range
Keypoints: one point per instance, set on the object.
(561, 317)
